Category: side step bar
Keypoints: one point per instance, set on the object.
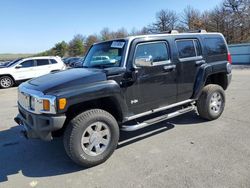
(157, 119)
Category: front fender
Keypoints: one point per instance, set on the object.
(98, 90)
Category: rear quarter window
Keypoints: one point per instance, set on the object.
(52, 61)
(215, 46)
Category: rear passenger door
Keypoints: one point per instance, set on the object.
(43, 67)
(189, 58)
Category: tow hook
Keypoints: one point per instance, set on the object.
(17, 120)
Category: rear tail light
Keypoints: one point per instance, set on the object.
(229, 58)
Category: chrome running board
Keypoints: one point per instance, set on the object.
(159, 109)
(157, 119)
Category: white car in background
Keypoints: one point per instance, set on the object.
(27, 68)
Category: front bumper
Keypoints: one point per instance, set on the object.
(39, 125)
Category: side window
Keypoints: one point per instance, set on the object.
(157, 51)
(41, 62)
(27, 64)
(52, 61)
(198, 48)
(215, 46)
(188, 48)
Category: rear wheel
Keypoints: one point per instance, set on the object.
(211, 102)
(91, 137)
(6, 82)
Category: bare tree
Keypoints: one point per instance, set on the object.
(191, 19)
(165, 20)
(105, 34)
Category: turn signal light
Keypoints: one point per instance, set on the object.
(46, 105)
(62, 103)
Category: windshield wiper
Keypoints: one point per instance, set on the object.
(102, 66)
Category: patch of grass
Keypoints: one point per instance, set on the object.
(6, 57)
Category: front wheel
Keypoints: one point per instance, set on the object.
(6, 82)
(91, 137)
(211, 102)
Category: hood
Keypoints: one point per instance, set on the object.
(65, 79)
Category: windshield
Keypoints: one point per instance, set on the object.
(9, 64)
(106, 54)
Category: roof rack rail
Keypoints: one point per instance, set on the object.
(169, 32)
(172, 31)
(198, 31)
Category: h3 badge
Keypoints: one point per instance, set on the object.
(134, 101)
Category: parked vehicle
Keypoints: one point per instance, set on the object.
(27, 68)
(78, 63)
(153, 78)
(2, 63)
(71, 60)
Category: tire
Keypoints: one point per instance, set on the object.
(211, 102)
(96, 129)
(6, 82)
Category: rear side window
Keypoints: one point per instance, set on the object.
(52, 61)
(41, 62)
(188, 48)
(215, 46)
(26, 64)
(158, 51)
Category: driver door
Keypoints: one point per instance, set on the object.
(155, 84)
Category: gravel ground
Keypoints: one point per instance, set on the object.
(182, 152)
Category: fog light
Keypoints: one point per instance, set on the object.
(46, 105)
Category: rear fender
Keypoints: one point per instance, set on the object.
(204, 72)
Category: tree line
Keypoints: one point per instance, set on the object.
(231, 18)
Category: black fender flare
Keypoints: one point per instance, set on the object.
(204, 72)
(94, 91)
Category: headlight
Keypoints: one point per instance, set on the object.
(36, 102)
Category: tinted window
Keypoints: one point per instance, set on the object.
(158, 51)
(41, 62)
(215, 46)
(26, 64)
(52, 61)
(186, 48)
(198, 47)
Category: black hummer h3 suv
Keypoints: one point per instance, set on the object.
(126, 84)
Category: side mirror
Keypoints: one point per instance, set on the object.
(18, 66)
(144, 61)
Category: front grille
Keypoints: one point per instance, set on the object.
(24, 100)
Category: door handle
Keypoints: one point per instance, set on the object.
(201, 62)
(169, 67)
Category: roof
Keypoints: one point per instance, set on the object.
(41, 57)
(172, 33)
